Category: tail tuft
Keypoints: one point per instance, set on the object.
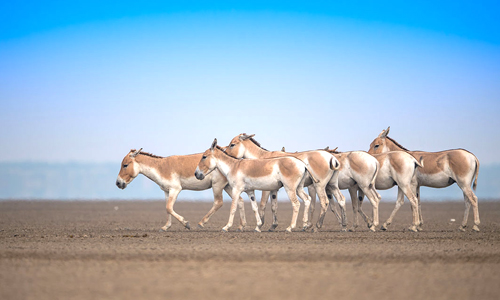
(421, 162)
(334, 164)
(474, 185)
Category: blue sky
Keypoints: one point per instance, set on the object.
(87, 81)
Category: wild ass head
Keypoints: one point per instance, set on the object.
(128, 170)
(207, 163)
(379, 145)
(236, 147)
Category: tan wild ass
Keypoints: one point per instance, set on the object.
(398, 168)
(358, 171)
(173, 174)
(320, 163)
(248, 175)
(441, 169)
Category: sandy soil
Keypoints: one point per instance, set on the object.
(113, 250)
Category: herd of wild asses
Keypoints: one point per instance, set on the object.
(245, 166)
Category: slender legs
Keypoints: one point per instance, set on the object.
(170, 197)
(470, 200)
(255, 208)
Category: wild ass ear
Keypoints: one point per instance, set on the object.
(384, 133)
(213, 144)
(327, 148)
(245, 136)
(135, 153)
(335, 149)
(283, 149)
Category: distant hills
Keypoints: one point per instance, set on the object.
(72, 181)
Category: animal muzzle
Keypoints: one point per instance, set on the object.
(120, 183)
(198, 174)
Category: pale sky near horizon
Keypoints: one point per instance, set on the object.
(89, 81)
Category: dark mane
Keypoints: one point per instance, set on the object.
(258, 144)
(223, 151)
(147, 154)
(397, 144)
(332, 151)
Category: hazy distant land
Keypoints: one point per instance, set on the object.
(33, 180)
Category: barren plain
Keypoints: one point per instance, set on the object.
(113, 250)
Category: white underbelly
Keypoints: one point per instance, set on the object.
(438, 180)
(345, 182)
(384, 182)
(268, 183)
(194, 184)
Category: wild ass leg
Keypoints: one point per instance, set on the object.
(323, 200)
(414, 206)
(241, 209)
(421, 219)
(234, 203)
(169, 217)
(172, 196)
(372, 195)
(307, 203)
(399, 202)
(295, 206)
(329, 195)
(218, 201)
(311, 190)
(353, 192)
(263, 203)
(217, 191)
(368, 220)
(340, 199)
(274, 209)
(255, 209)
(470, 200)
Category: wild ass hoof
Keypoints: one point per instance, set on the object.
(162, 230)
(201, 226)
(352, 229)
(344, 229)
(257, 229)
(224, 229)
(384, 227)
(413, 229)
(273, 227)
(462, 228)
(475, 228)
(187, 225)
(289, 229)
(373, 229)
(419, 228)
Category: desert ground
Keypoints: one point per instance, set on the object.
(113, 250)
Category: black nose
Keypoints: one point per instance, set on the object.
(198, 176)
(117, 183)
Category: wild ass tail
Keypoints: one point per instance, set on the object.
(311, 174)
(308, 170)
(372, 182)
(476, 173)
(334, 165)
(420, 162)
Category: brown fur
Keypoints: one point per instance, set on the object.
(257, 168)
(354, 163)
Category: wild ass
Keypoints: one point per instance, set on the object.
(441, 169)
(398, 168)
(320, 163)
(358, 171)
(248, 175)
(173, 174)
